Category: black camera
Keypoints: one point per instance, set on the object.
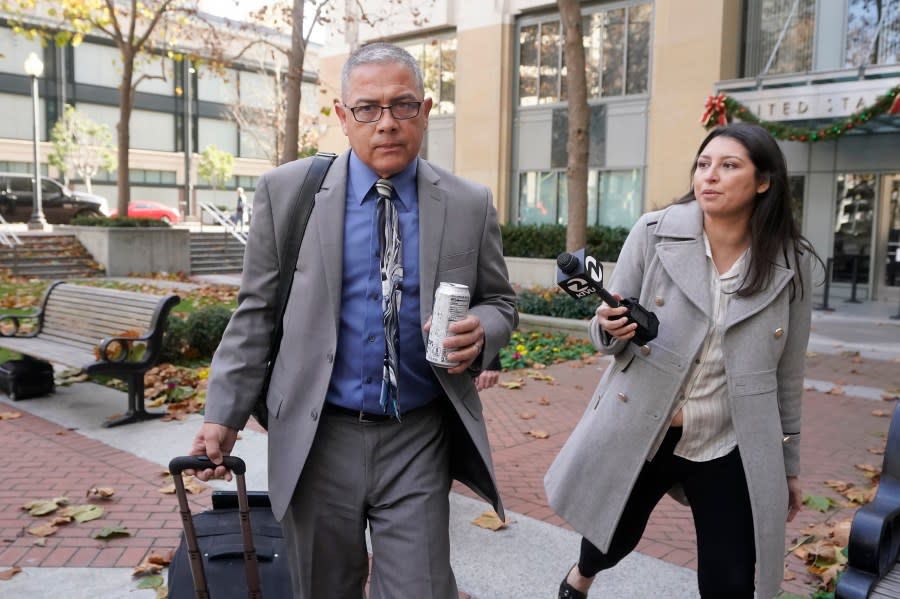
(581, 276)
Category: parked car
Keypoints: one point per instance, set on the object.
(151, 209)
(58, 203)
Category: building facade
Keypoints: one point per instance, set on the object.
(497, 73)
(87, 77)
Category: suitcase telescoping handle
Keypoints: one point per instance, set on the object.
(238, 467)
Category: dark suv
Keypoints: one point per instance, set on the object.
(59, 204)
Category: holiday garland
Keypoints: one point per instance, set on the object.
(720, 109)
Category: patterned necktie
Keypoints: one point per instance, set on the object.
(391, 282)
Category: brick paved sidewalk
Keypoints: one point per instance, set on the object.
(837, 432)
(42, 460)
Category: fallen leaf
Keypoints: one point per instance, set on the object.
(150, 582)
(579, 387)
(7, 574)
(543, 401)
(876, 450)
(537, 376)
(835, 391)
(838, 485)
(889, 396)
(490, 520)
(43, 530)
(42, 507)
(819, 503)
(516, 384)
(111, 531)
(10, 415)
(788, 575)
(538, 434)
(880, 413)
(83, 513)
(868, 468)
(526, 415)
(40, 542)
(101, 492)
(162, 592)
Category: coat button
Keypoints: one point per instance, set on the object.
(645, 350)
(779, 332)
(314, 414)
(660, 301)
(621, 397)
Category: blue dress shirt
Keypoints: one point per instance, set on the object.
(359, 359)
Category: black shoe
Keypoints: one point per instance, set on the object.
(567, 591)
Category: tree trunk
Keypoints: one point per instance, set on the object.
(123, 133)
(579, 124)
(293, 83)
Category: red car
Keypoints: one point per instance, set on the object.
(151, 209)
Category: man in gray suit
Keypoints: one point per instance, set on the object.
(339, 461)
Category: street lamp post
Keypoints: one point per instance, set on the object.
(35, 68)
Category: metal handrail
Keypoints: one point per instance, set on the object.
(222, 219)
(8, 238)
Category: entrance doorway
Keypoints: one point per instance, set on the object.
(867, 225)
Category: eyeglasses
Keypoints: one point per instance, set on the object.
(370, 113)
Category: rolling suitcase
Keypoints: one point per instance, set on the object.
(26, 378)
(236, 549)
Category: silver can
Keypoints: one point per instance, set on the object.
(451, 303)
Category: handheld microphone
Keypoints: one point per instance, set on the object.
(581, 275)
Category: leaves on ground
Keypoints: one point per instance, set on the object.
(820, 503)
(537, 376)
(526, 415)
(543, 401)
(83, 513)
(538, 434)
(100, 492)
(43, 530)
(490, 520)
(10, 415)
(108, 532)
(880, 413)
(42, 507)
(153, 564)
(7, 574)
(150, 582)
(190, 485)
(516, 384)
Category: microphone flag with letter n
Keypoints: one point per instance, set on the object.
(581, 275)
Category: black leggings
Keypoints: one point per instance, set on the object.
(720, 503)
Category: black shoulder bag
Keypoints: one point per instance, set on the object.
(295, 223)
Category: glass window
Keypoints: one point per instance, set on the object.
(614, 52)
(794, 53)
(437, 57)
(873, 32)
(537, 197)
(853, 227)
(619, 198)
(549, 70)
(528, 65)
(638, 75)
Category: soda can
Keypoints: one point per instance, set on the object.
(451, 303)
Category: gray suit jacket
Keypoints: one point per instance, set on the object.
(664, 263)
(459, 242)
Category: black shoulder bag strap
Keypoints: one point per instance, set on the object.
(295, 223)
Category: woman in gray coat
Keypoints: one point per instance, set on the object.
(710, 409)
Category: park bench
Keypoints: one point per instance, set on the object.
(102, 331)
(872, 553)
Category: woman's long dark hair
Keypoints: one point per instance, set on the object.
(772, 226)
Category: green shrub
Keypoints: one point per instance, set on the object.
(105, 221)
(205, 327)
(547, 241)
(554, 302)
(175, 340)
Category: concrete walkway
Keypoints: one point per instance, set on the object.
(57, 447)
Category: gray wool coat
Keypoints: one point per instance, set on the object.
(664, 264)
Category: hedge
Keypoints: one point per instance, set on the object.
(547, 241)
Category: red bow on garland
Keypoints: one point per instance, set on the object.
(895, 107)
(715, 106)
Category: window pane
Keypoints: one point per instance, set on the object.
(562, 193)
(528, 65)
(431, 69)
(853, 227)
(537, 198)
(593, 32)
(863, 47)
(613, 52)
(448, 77)
(638, 49)
(550, 48)
(593, 176)
(794, 55)
(620, 198)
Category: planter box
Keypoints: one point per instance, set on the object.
(126, 250)
(529, 272)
